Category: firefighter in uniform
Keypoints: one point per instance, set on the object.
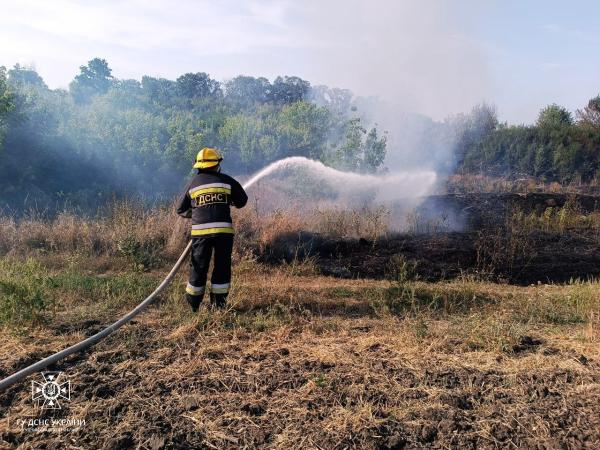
(206, 201)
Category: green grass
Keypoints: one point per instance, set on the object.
(30, 293)
(26, 293)
(115, 289)
(486, 316)
(574, 305)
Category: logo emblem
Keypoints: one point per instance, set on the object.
(51, 390)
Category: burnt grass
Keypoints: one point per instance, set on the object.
(549, 257)
(486, 246)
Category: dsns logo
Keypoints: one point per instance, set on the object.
(51, 391)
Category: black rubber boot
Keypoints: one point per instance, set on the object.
(218, 300)
(194, 301)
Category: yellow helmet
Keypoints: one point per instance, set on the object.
(207, 157)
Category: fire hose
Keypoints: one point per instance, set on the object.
(83, 345)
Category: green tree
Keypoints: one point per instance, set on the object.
(360, 151)
(347, 157)
(25, 76)
(197, 85)
(159, 90)
(554, 116)
(473, 127)
(338, 101)
(274, 132)
(94, 78)
(6, 102)
(244, 91)
(590, 115)
(289, 90)
(374, 151)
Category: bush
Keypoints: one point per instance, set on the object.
(24, 293)
(142, 254)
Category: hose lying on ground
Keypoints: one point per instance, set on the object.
(101, 334)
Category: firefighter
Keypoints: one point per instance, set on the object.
(206, 201)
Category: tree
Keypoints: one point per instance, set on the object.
(5, 96)
(289, 90)
(197, 85)
(590, 115)
(244, 91)
(94, 78)
(338, 101)
(273, 132)
(6, 101)
(360, 151)
(374, 151)
(553, 117)
(159, 90)
(473, 127)
(25, 75)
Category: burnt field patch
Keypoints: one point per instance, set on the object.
(543, 257)
(510, 238)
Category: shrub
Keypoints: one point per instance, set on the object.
(24, 293)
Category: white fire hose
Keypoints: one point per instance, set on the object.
(8, 381)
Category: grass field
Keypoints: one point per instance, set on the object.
(299, 360)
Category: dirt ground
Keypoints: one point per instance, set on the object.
(306, 361)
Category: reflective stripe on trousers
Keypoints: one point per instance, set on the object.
(222, 288)
(194, 290)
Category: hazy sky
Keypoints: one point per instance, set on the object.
(435, 57)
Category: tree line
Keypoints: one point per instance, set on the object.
(106, 136)
(557, 147)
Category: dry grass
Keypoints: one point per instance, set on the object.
(151, 237)
(555, 219)
(126, 228)
(309, 361)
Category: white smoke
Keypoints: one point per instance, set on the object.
(416, 55)
(411, 60)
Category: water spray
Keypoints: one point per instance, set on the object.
(389, 185)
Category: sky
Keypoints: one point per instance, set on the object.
(433, 57)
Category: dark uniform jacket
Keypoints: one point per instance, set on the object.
(206, 200)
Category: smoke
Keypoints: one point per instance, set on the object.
(415, 55)
(411, 61)
(301, 183)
